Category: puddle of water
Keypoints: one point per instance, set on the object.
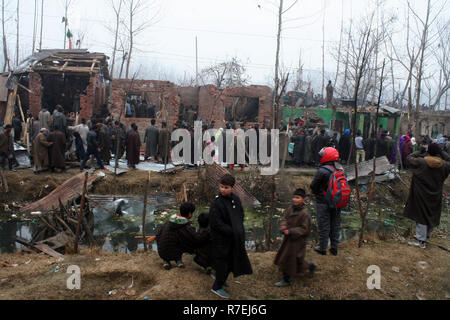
(117, 234)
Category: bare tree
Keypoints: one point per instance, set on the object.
(187, 80)
(365, 212)
(5, 45)
(442, 55)
(299, 83)
(340, 45)
(423, 47)
(421, 35)
(42, 24)
(117, 8)
(18, 32)
(323, 51)
(35, 19)
(352, 60)
(362, 53)
(141, 16)
(226, 74)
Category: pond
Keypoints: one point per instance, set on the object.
(117, 233)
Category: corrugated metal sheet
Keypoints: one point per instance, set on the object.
(69, 190)
(366, 168)
(213, 175)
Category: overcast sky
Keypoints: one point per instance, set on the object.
(225, 28)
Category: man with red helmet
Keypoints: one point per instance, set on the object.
(328, 218)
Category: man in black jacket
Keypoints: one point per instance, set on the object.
(228, 236)
(93, 147)
(178, 236)
(328, 217)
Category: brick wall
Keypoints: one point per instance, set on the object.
(121, 87)
(35, 99)
(212, 101)
(189, 95)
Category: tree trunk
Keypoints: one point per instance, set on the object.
(131, 40)
(323, 51)
(116, 38)
(5, 47)
(372, 186)
(18, 35)
(344, 84)
(42, 24)
(420, 69)
(340, 47)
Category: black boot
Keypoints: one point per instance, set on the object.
(334, 252)
(317, 249)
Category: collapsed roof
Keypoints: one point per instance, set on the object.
(79, 62)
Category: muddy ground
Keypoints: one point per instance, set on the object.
(406, 273)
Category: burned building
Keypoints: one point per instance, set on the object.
(251, 104)
(74, 79)
(147, 99)
(163, 101)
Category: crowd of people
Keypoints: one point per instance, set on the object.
(308, 143)
(56, 139)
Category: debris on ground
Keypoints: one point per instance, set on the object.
(214, 173)
(68, 191)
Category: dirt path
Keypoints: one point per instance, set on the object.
(422, 274)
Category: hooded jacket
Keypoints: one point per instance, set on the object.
(424, 204)
(321, 181)
(178, 236)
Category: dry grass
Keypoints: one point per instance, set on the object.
(342, 277)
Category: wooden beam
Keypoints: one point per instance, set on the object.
(10, 107)
(64, 66)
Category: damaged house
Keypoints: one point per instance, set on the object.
(74, 79)
(164, 101)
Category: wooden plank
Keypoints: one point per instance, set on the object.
(10, 107)
(64, 66)
(47, 250)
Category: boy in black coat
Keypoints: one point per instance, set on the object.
(178, 236)
(228, 236)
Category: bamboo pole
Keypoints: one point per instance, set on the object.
(144, 212)
(80, 216)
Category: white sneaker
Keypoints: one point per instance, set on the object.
(418, 244)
